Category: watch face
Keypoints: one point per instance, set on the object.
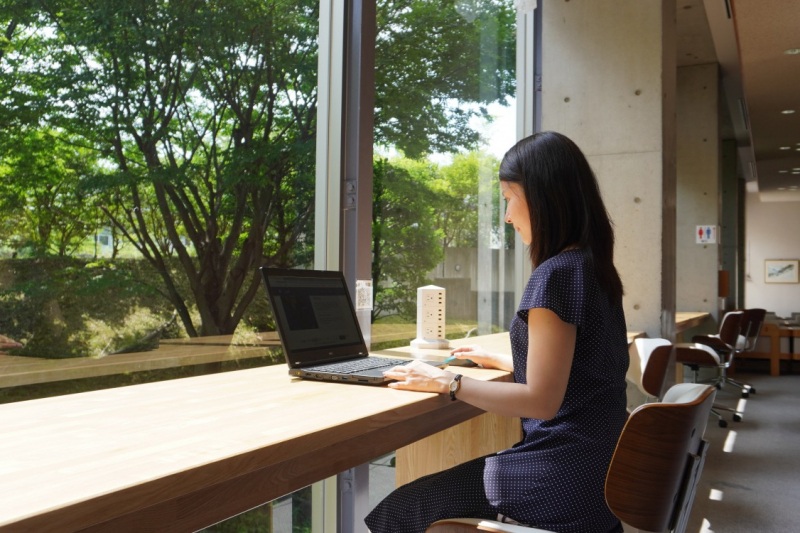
(454, 385)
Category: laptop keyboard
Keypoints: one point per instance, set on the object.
(357, 365)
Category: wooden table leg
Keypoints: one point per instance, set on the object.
(775, 353)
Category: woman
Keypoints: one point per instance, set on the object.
(569, 359)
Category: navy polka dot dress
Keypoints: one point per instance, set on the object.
(554, 478)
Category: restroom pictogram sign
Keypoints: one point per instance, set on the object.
(706, 235)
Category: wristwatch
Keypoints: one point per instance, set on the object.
(455, 386)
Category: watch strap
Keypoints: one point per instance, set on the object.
(455, 386)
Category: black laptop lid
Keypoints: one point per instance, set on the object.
(315, 316)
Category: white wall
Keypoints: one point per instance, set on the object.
(771, 232)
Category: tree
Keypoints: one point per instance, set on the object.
(41, 188)
(457, 215)
(207, 110)
(202, 116)
(404, 238)
(438, 63)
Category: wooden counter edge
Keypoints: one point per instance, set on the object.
(232, 485)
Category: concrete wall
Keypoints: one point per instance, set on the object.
(618, 106)
(732, 222)
(698, 188)
(458, 274)
(771, 233)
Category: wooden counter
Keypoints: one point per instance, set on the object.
(689, 319)
(183, 454)
(775, 331)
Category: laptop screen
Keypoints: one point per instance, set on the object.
(315, 316)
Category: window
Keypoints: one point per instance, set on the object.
(152, 156)
(444, 115)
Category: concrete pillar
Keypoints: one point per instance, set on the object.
(732, 222)
(608, 82)
(698, 193)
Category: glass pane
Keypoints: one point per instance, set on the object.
(445, 115)
(152, 156)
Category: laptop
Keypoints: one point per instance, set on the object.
(319, 330)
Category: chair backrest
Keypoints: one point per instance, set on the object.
(647, 373)
(752, 321)
(655, 377)
(654, 472)
(731, 327)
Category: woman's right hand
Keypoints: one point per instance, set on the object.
(481, 357)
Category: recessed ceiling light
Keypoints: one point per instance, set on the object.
(788, 111)
(786, 147)
(792, 51)
(781, 188)
(783, 172)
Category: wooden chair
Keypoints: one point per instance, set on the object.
(654, 472)
(725, 343)
(697, 355)
(750, 330)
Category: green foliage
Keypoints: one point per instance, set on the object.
(438, 63)
(405, 242)
(421, 209)
(62, 307)
(189, 128)
(203, 115)
(457, 212)
(41, 188)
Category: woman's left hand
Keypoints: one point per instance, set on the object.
(419, 376)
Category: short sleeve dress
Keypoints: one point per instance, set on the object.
(554, 478)
(562, 462)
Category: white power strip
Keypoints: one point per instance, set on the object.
(431, 318)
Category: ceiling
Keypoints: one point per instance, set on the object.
(760, 83)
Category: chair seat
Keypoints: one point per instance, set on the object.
(713, 342)
(460, 525)
(693, 353)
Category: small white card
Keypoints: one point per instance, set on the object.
(363, 295)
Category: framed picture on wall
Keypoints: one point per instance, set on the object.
(781, 270)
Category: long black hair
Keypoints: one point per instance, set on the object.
(565, 205)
